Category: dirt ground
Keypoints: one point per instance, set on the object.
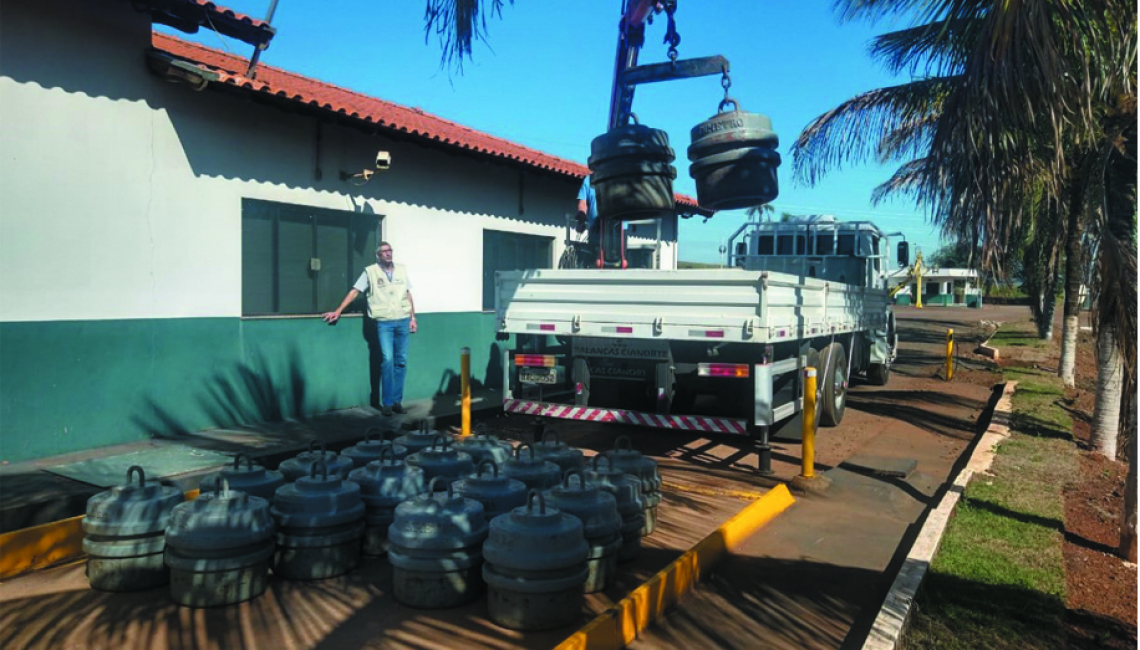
(1101, 588)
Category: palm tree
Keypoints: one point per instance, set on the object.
(1007, 93)
(759, 212)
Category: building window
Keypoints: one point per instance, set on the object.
(509, 251)
(301, 260)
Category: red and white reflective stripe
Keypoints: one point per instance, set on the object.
(678, 422)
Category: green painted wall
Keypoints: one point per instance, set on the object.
(72, 385)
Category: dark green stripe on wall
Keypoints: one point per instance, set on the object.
(72, 385)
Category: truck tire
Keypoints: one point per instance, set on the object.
(833, 380)
(879, 374)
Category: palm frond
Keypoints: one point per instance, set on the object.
(848, 133)
(922, 11)
(909, 139)
(457, 24)
(938, 48)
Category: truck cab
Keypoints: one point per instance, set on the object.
(853, 252)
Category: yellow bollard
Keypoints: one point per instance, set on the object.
(809, 423)
(949, 354)
(465, 391)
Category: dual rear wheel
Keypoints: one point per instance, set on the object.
(831, 375)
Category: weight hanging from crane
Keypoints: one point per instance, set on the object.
(632, 174)
(734, 159)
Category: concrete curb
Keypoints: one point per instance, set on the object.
(987, 350)
(890, 625)
(620, 625)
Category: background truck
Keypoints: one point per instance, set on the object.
(718, 350)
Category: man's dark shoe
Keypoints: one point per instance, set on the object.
(399, 408)
(386, 410)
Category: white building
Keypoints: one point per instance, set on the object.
(166, 248)
(946, 287)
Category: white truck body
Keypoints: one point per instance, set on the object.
(586, 335)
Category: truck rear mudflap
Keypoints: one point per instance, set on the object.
(593, 414)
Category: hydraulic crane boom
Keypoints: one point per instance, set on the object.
(627, 75)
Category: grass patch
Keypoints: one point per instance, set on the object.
(1035, 408)
(998, 580)
(1022, 334)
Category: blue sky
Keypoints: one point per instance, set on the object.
(543, 80)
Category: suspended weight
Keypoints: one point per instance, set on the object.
(734, 159)
(631, 173)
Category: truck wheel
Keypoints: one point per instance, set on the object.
(833, 398)
(879, 374)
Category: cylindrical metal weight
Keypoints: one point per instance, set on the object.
(627, 490)
(626, 459)
(302, 464)
(218, 548)
(484, 446)
(124, 534)
(441, 461)
(384, 484)
(252, 479)
(601, 525)
(536, 473)
(734, 159)
(567, 458)
(435, 547)
(422, 439)
(631, 173)
(373, 445)
(320, 521)
(498, 494)
(536, 566)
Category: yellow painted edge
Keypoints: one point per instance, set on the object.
(712, 492)
(38, 547)
(619, 625)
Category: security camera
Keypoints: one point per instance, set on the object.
(383, 160)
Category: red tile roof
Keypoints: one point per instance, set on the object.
(189, 15)
(228, 13)
(386, 115)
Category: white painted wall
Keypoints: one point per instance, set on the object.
(120, 193)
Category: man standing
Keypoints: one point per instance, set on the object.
(390, 304)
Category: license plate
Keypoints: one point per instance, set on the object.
(538, 375)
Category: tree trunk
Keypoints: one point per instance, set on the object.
(1109, 386)
(1128, 520)
(1073, 274)
(1048, 310)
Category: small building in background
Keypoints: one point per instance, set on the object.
(942, 287)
